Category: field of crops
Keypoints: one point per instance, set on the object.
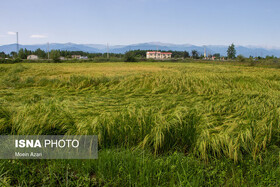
(158, 124)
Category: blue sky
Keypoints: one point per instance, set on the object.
(198, 22)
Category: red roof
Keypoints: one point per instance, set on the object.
(159, 52)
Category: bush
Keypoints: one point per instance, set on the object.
(129, 58)
(17, 60)
(241, 58)
(55, 55)
(10, 61)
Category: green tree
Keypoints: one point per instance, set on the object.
(217, 55)
(195, 54)
(21, 54)
(186, 54)
(3, 55)
(231, 52)
(130, 57)
(40, 53)
(55, 55)
(13, 54)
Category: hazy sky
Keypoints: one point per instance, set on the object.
(199, 22)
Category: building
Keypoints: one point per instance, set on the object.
(84, 57)
(76, 56)
(79, 57)
(158, 55)
(32, 57)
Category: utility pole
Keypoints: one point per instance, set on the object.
(157, 53)
(48, 50)
(107, 51)
(17, 42)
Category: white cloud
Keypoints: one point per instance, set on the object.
(38, 36)
(11, 33)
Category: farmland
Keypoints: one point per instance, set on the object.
(157, 123)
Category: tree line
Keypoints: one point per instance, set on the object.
(134, 55)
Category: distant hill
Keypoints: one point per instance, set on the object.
(67, 46)
(101, 48)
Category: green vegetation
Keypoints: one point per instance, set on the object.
(195, 54)
(129, 56)
(231, 52)
(158, 124)
(54, 55)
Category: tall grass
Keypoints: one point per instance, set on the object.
(225, 114)
(220, 112)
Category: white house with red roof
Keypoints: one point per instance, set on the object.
(158, 55)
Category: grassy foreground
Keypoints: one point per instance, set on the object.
(158, 124)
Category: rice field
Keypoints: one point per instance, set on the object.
(158, 124)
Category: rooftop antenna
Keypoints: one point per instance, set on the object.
(17, 42)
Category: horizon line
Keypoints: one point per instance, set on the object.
(155, 43)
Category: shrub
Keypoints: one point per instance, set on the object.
(241, 58)
(129, 58)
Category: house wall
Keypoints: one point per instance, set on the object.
(32, 57)
(158, 55)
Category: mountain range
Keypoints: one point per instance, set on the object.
(101, 48)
